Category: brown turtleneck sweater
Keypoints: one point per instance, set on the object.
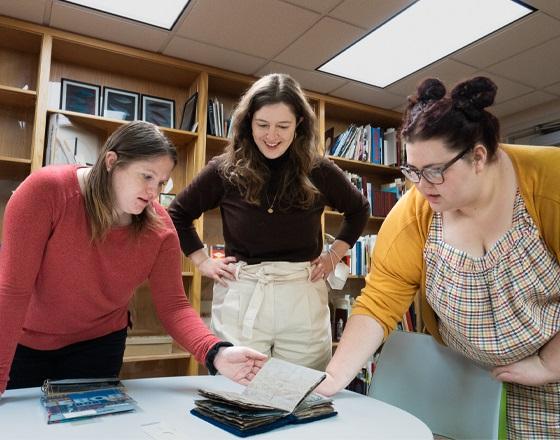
(251, 233)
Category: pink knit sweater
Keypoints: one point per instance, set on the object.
(58, 288)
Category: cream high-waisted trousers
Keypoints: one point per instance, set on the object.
(272, 307)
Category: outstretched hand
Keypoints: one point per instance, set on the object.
(327, 387)
(239, 364)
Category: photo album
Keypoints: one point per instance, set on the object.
(72, 399)
(279, 395)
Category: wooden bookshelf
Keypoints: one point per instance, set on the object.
(33, 56)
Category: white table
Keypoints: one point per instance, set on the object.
(169, 400)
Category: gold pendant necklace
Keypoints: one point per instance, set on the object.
(270, 209)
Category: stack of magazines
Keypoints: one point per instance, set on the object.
(72, 399)
(279, 395)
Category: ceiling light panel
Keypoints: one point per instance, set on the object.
(160, 13)
(420, 35)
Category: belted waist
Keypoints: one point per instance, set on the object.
(265, 275)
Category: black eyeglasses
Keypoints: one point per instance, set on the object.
(434, 175)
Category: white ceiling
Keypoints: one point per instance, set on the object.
(256, 37)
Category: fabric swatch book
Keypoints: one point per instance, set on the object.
(72, 399)
(279, 395)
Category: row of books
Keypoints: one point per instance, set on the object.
(367, 144)
(408, 323)
(217, 125)
(358, 258)
(382, 200)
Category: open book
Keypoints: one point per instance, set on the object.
(71, 399)
(280, 394)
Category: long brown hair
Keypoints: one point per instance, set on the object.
(244, 166)
(134, 141)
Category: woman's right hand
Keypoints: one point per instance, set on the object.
(219, 269)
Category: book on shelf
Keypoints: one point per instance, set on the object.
(72, 399)
(329, 140)
(189, 113)
(279, 395)
(217, 250)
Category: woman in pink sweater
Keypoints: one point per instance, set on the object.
(76, 243)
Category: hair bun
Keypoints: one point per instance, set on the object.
(430, 89)
(474, 95)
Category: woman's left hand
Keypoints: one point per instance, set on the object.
(531, 371)
(239, 364)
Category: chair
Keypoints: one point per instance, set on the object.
(455, 397)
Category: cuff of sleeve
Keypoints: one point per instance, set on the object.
(211, 355)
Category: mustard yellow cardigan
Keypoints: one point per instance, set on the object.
(398, 268)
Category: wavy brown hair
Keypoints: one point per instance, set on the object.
(134, 141)
(245, 167)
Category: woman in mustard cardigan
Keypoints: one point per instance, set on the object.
(479, 235)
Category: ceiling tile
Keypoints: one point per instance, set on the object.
(323, 41)
(538, 67)
(448, 71)
(96, 24)
(551, 7)
(369, 14)
(29, 10)
(213, 56)
(369, 95)
(521, 103)
(255, 27)
(529, 32)
(322, 6)
(555, 88)
(506, 89)
(309, 80)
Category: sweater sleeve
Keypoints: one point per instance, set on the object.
(178, 317)
(203, 193)
(341, 195)
(28, 223)
(397, 265)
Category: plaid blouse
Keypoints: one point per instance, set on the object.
(501, 308)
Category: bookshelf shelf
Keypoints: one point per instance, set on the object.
(339, 215)
(178, 354)
(366, 168)
(12, 96)
(14, 160)
(178, 137)
(215, 145)
(14, 168)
